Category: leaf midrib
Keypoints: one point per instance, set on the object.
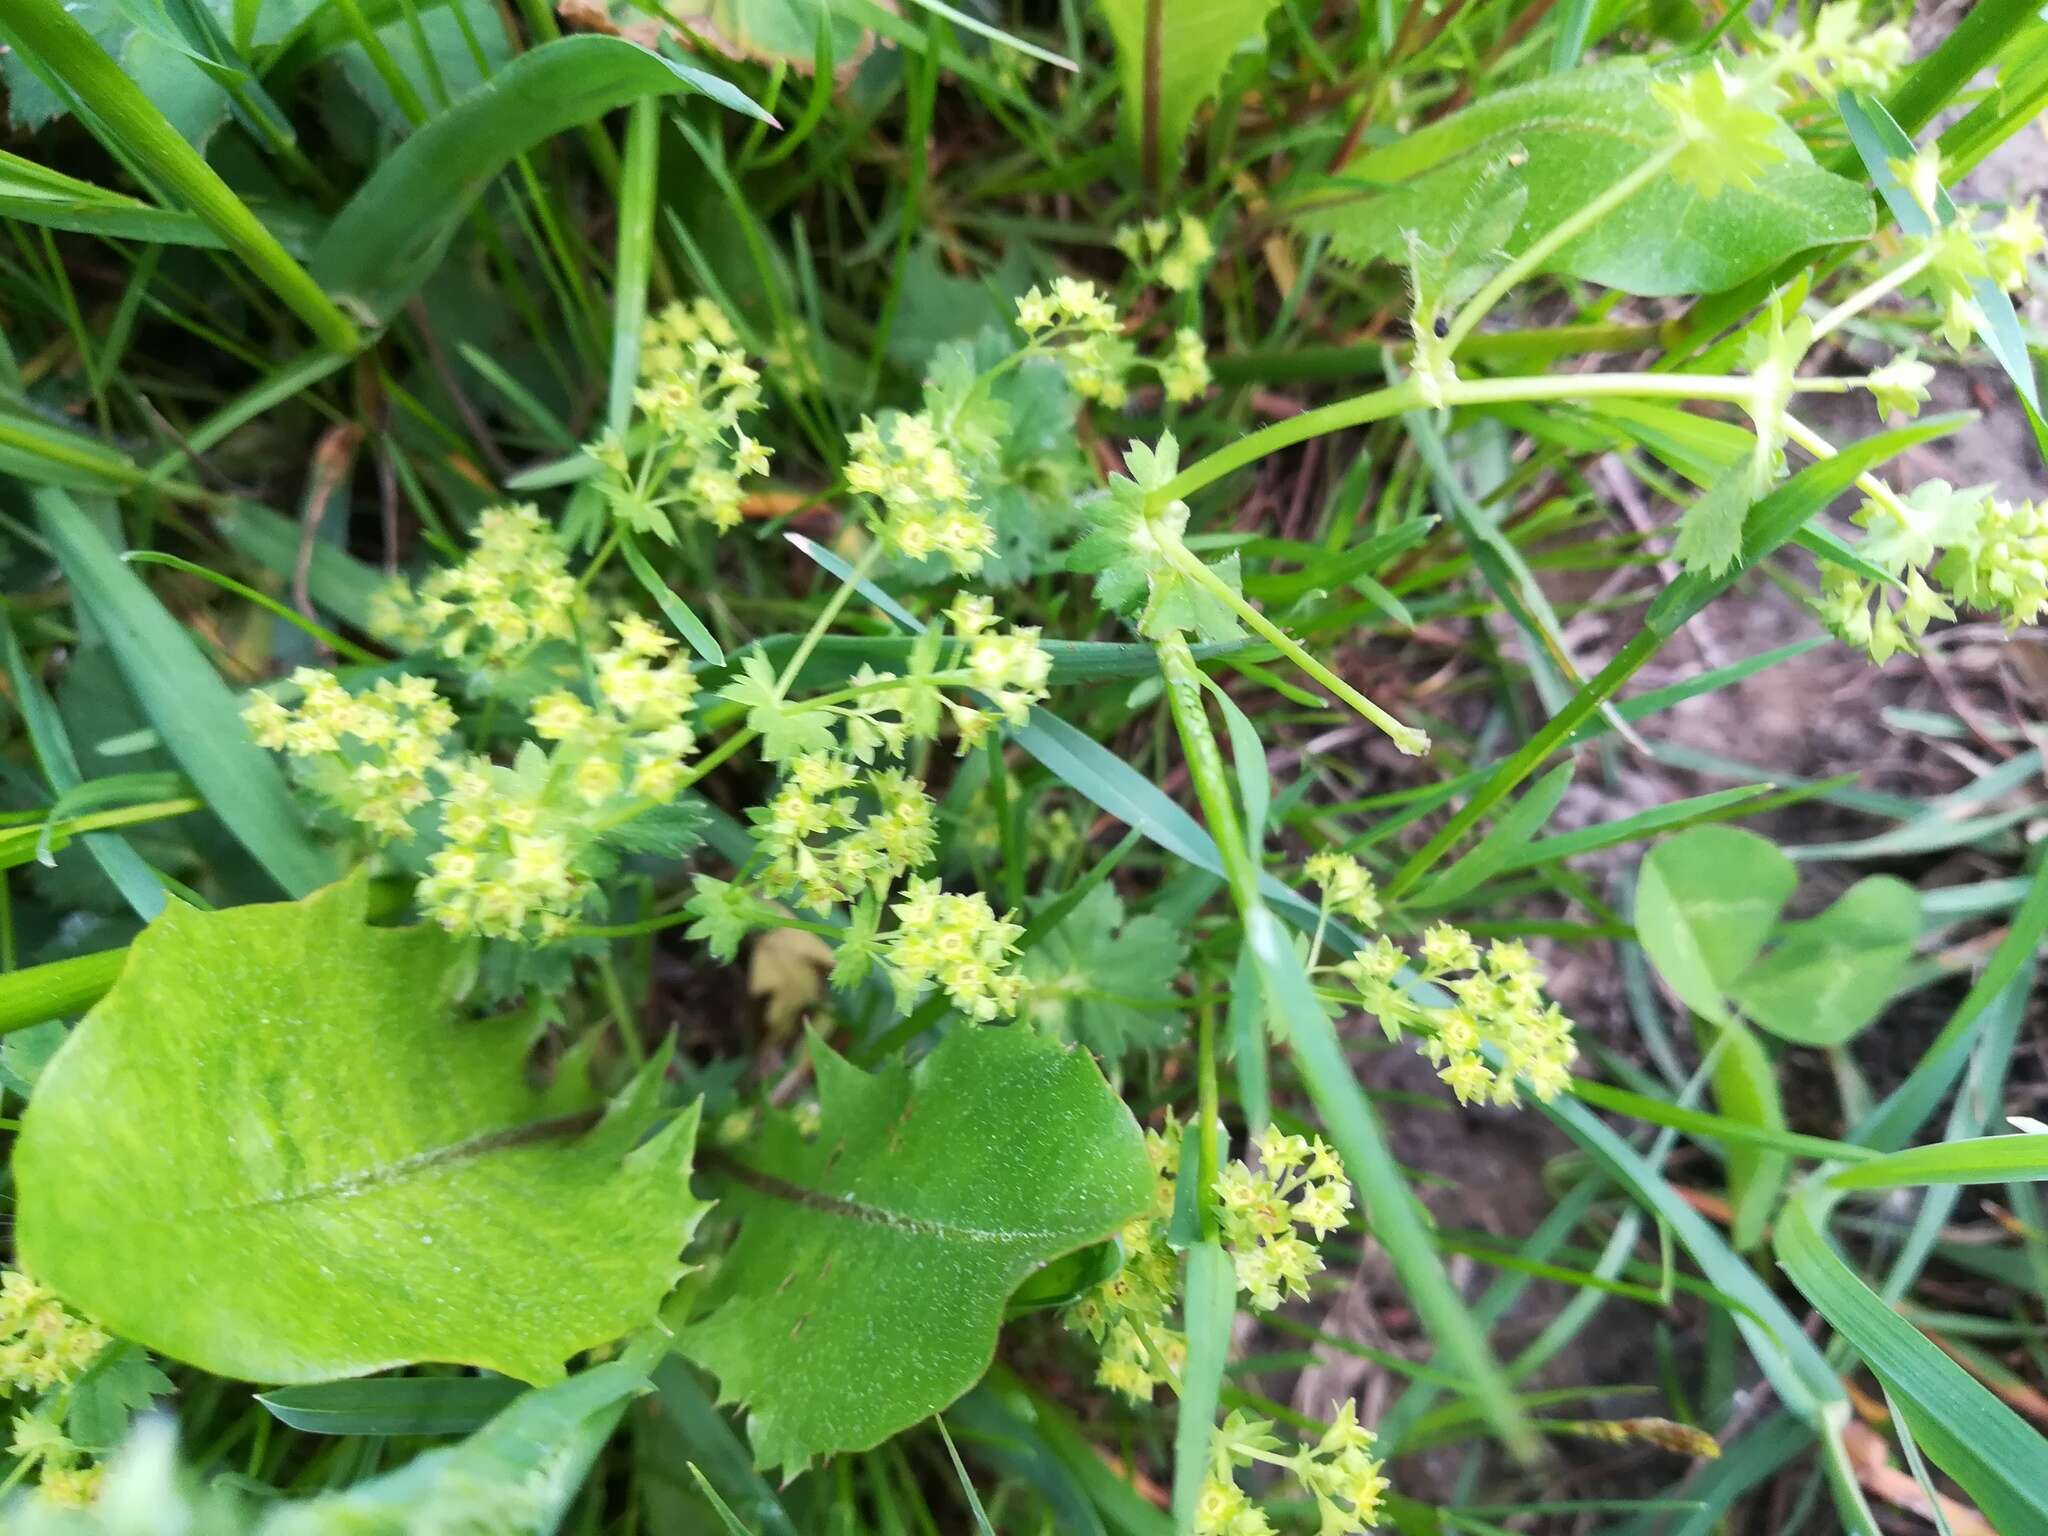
(346, 1186)
(850, 1209)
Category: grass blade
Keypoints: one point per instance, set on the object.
(678, 613)
(1210, 1305)
(185, 699)
(391, 235)
(1966, 1431)
(1975, 1160)
(635, 259)
(134, 879)
(119, 111)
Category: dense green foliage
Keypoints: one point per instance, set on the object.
(773, 767)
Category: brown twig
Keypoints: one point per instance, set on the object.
(334, 458)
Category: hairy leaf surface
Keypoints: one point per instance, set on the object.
(873, 1261)
(273, 1151)
(1566, 139)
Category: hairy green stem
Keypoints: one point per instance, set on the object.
(1556, 239)
(1406, 737)
(1345, 1111)
(1379, 404)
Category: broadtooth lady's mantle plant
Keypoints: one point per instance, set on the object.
(447, 1140)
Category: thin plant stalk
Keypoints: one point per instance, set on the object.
(1333, 1087)
(62, 45)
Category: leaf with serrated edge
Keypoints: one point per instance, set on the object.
(873, 1262)
(1105, 979)
(273, 1151)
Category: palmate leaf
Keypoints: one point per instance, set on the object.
(1105, 980)
(873, 1262)
(1135, 553)
(1566, 138)
(273, 1151)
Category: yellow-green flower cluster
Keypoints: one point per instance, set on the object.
(927, 508)
(508, 869)
(2013, 242)
(64, 1474)
(1184, 372)
(368, 754)
(1344, 1476)
(1347, 887)
(1958, 253)
(1071, 307)
(512, 594)
(1843, 51)
(1008, 667)
(43, 1346)
(1298, 1182)
(1172, 253)
(1079, 326)
(696, 388)
(824, 848)
(957, 943)
(636, 735)
(1126, 1314)
(1947, 546)
(1498, 1004)
(1339, 1471)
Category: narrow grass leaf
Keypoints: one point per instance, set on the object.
(393, 232)
(2001, 1463)
(677, 612)
(132, 877)
(634, 258)
(1508, 838)
(1211, 1303)
(393, 1405)
(1977, 1160)
(713, 1446)
(35, 194)
(1797, 1370)
(178, 689)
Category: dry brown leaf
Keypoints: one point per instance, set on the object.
(787, 968)
(1872, 1457)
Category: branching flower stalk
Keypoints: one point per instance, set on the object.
(1343, 1108)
